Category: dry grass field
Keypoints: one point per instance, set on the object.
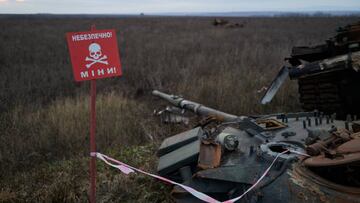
(44, 113)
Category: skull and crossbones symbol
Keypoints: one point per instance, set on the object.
(96, 55)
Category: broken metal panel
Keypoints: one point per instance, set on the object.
(178, 158)
(174, 142)
(275, 85)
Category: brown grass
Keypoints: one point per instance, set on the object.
(44, 114)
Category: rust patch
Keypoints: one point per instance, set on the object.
(210, 155)
(349, 147)
(319, 189)
(322, 160)
(313, 189)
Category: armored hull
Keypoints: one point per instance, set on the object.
(314, 156)
(225, 158)
(327, 74)
(329, 88)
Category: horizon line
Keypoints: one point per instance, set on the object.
(198, 12)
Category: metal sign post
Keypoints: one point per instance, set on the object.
(92, 141)
(94, 54)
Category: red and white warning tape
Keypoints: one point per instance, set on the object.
(126, 169)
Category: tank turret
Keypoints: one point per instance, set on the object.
(327, 74)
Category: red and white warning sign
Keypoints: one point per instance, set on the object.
(94, 54)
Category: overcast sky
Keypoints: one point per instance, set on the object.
(160, 6)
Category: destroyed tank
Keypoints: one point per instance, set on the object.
(327, 74)
(310, 156)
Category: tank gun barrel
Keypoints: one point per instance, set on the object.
(197, 108)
